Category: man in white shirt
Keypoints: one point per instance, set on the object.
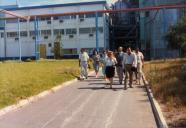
(140, 61)
(83, 63)
(129, 62)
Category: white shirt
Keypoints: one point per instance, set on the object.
(110, 62)
(130, 59)
(140, 57)
(83, 56)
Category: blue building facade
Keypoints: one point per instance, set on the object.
(154, 26)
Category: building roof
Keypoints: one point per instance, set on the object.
(33, 4)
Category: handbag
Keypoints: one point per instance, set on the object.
(134, 69)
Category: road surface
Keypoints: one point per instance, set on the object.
(86, 104)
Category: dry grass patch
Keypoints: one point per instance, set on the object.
(168, 83)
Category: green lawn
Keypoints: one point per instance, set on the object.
(21, 80)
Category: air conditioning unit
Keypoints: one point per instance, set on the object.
(48, 22)
(71, 36)
(16, 39)
(33, 37)
(45, 37)
(91, 35)
(61, 21)
(81, 20)
(50, 45)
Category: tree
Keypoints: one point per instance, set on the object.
(58, 50)
(176, 36)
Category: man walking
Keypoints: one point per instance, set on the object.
(140, 60)
(129, 62)
(119, 68)
(83, 63)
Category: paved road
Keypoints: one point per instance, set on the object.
(86, 104)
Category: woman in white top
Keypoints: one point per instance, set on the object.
(110, 63)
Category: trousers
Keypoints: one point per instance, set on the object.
(84, 69)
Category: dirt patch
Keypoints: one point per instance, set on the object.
(168, 83)
(175, 117)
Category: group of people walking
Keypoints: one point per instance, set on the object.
(127, 64)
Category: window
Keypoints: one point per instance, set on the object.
(64, 17)
(90, 30)
(71, 31)
(48, 18)
(90, 15)
(100, 14)
(82, 16)
(89, 50)
(2, 35)
(45, 32)
(32, 20)
(73, 16)
(45, 18)
(42, 19)
(15, 34)
(49, 22)
(56, 18)
(70, 51)
(23, 33)
(11, 21)
(101, 29)
(59, 31)
(22, 20)
(84, 30)
(94, 30)
(11, 34)
(32, 33)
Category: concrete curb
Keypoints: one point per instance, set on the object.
(29, 100)
(160, 120)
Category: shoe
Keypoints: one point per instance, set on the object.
(120, 82)
(82, 78)
(131, 86)
(125, 88)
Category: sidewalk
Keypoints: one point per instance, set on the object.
(86, 104)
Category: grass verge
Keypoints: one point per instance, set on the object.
(21, 80)
(168, 83)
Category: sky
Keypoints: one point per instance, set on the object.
(43, 2)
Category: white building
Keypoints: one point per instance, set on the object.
(78, 31)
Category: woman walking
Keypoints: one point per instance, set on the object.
(110, 67)
(96, 62)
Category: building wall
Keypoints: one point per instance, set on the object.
(53, 24)
(153, 28)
